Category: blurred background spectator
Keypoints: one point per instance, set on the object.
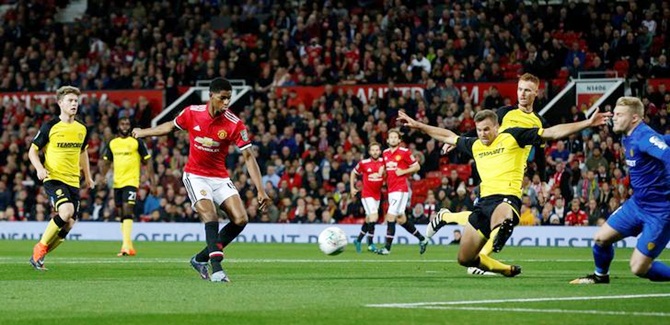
(306, 149)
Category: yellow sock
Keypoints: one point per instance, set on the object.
(55, 243)
(127, 230)
(460, 218)
(50, 233)
(493, 265)
(488, 247)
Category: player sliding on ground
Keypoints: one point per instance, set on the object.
(520, 115)
(500, 159)
(647, 212)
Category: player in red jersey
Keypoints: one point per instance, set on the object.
(399, 164)
(372, 170)
(212, 129)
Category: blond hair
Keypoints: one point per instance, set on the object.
(531, 78)
(396, 131)
(634, 104)
(66, 90)
(486, 114)
(374, 143)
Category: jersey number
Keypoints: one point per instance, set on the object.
(132, 196)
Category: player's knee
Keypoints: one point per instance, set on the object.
(601, 240)
(209, 217)
(639, 268)
(241, 221)
(66, 211)
(468, 261)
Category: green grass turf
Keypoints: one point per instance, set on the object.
(297, 284)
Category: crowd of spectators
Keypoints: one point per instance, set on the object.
(306, 150)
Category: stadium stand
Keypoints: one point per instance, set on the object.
(168, 45)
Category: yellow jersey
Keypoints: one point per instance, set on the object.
(127, 155)
(502, 163)
(513, 117)
(63, 143)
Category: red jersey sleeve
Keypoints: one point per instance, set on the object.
(409, 158)
(357, 168)
(183, 120)
(242, 137)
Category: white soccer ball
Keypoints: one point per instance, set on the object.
(332, 241)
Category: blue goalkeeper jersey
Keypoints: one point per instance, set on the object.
(648, 161)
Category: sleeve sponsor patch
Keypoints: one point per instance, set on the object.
(659, 143)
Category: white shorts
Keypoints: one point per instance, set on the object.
(371, 205)
(215, 189)
(398, 203)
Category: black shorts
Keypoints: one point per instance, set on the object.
(60, 193)
(480, 218)
(126, 194)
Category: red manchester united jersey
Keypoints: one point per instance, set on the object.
(400, 158)
(372, 186)
(210, 138)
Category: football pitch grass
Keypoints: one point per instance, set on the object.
(297, 284)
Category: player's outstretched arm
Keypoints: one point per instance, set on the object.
(434, 132)
(255, 174)
(563, 130)
(162, 129)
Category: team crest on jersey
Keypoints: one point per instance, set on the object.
(203, 192)
(398, 158)
(222, 134)
(81, 136)
(631, 152)
(651, 246)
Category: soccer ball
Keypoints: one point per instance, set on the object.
(332, 241)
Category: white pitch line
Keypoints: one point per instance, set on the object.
(556, 311)
(438, 304)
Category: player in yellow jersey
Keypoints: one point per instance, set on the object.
(521, 115)
(64, 141)
(501, 159)
(127, 155)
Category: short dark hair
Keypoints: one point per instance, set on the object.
(220, 84)
(486, 114)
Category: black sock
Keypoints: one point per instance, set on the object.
(63, 233)
(371, 233)
(215, 253)
(364, 229)
(390, 234)
(203, 255)
(229, 233)
(409, 226)
(59, 221)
